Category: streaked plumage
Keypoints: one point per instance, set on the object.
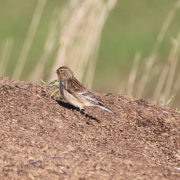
(76, 94)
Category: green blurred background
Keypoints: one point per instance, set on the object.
(131, 27)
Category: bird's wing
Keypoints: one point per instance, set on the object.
(74, 85)
(91, 97)
(94, 101)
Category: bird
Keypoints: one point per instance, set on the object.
(75, 93)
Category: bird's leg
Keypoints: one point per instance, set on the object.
(80, 113)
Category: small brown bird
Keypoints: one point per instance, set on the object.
(76, 94)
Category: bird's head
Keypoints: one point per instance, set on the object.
(64, 73)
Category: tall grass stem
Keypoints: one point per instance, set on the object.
(29, 39)
(6, 52)
(49, 45)
(151, 59)
(133, 74)
(82, 23)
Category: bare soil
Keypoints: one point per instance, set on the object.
(45, 138)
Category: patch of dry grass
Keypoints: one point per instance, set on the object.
(167, 85)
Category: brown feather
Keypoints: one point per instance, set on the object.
(75, 85)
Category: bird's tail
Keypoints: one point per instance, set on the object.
(105, 108)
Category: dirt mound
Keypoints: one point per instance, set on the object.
(42, 138)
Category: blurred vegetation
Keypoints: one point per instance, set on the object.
(132, 27)
(15, 19)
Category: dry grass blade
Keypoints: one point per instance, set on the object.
(166, 24)
(177, 85)
(29, 39)
(82, 25)
(6, 52)
(169, 67)
(92, 61)
(172, 69)
(48, 47)
(160, 84)
(151, 59)
(133, 74)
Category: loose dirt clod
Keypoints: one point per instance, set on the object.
(42, 138)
